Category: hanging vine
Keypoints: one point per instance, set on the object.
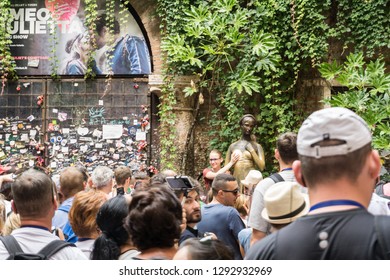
(53, 39)
(168, 151)
(172, 19)
(91, 13)
(7, 62)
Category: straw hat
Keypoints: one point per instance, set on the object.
(284, 203)
(252, 178)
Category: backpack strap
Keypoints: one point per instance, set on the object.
(53, 247)
(276, 177)
(381, 228)
(11, 245)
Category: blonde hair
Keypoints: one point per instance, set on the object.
(12, 222)
(241, 205)
(3, 214)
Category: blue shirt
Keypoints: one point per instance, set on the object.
(225, 222)
(61, 216)
(61, 220)
(130, 55)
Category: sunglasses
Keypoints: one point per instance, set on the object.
(235, 191)
(214, 159)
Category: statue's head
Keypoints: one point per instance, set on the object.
(248, 123)
(248, 116)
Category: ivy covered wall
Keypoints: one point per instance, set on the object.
(261, 57)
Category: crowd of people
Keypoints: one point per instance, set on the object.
(320, 205)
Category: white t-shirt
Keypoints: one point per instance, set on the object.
(256, 221)
(32, 240)
(379, 205)
(86, 246)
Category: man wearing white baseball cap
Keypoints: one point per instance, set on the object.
(340, 169)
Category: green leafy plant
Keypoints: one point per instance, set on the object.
(91, 13)
(367, 93)
(249, 55)
(363, 25)
(168, 146)
(7, 62)
(233, 48)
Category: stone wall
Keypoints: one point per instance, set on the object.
(310, 92)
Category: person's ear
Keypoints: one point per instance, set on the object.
(60, 197)
(276, 154)
(55, 204)
(297, 168)
(374, 165)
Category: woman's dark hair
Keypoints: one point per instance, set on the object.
(154, 218)
(208, 249)
(103, 21)
(71, 42)
(110, 220)
(6, 190)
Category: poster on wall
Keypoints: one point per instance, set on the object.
(36, 38)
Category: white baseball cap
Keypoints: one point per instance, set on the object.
(332, 124)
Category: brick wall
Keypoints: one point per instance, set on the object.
(146, 10)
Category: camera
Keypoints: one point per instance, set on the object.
(179, 183)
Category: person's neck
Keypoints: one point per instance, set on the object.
(216, 169)
(44, 223)
(165, 253)
(336, 190)
(89, 236)
(83, 58)
(215, 201)
(247, 137)
(191, 225)
(283, 165)
(127, 247)
(106, 189)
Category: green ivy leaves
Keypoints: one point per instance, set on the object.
(368, 91)
(7, 62)
(249, 55)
